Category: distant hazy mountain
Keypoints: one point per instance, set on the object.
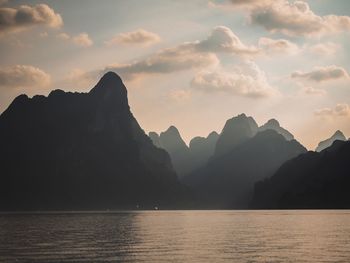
(227, 180)
(236, 131)
(274, 125)
(311, 180)
(202, 149)
(81, 151)
(155, 139)
(338, 135)
(171, 141)
(185, 159)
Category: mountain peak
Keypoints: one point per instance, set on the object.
(213, 134)
(17, 103)
(172, 130)
(105, 159)
(110, 80)
(242, 115)
(236, 130)
(171, 139)
(273, 123)
(338, 135)
(110, 77)
(111, 90)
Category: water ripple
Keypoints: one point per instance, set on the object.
(177, 236)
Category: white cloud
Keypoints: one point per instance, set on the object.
(167, 60)
(246, 80)
(309, 90)
(297, 19)
(138, 37)
(244, 4)
(82, 40)
(222, 39)
(189, 55)
(279, 46)
(23, 76)
(63, 36)
(340, 110)
(312, 91)
(25, 17)
(320, 74)
(292, 18)
(200, 54)
(324, 49)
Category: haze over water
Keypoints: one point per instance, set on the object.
(177, 236)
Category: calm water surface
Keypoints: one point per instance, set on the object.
(177, 236)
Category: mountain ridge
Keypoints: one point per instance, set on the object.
(81, 151)
(313, 180)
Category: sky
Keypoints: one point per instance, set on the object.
(192, 64)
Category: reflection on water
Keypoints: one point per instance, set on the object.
(178, 236)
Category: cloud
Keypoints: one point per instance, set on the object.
(23, 76)
(287, 17)
(340, 110)
(297, 19)
(320, 74)
(309, 90)
(252, 3)
(222, 39)
(312, 91)
(324, 49)
(247, 80)
(198, 54)
(168, 60)
(82, 40)
(279, 46)
(245, 4)
(138, 37)
(25, 17)
(63, 36)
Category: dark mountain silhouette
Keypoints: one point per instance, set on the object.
(236, 131)
(202, 149)
(227, 180)
(81, 151)
(274, 125)
(338, 135)
(171, 141)
(311, 180)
